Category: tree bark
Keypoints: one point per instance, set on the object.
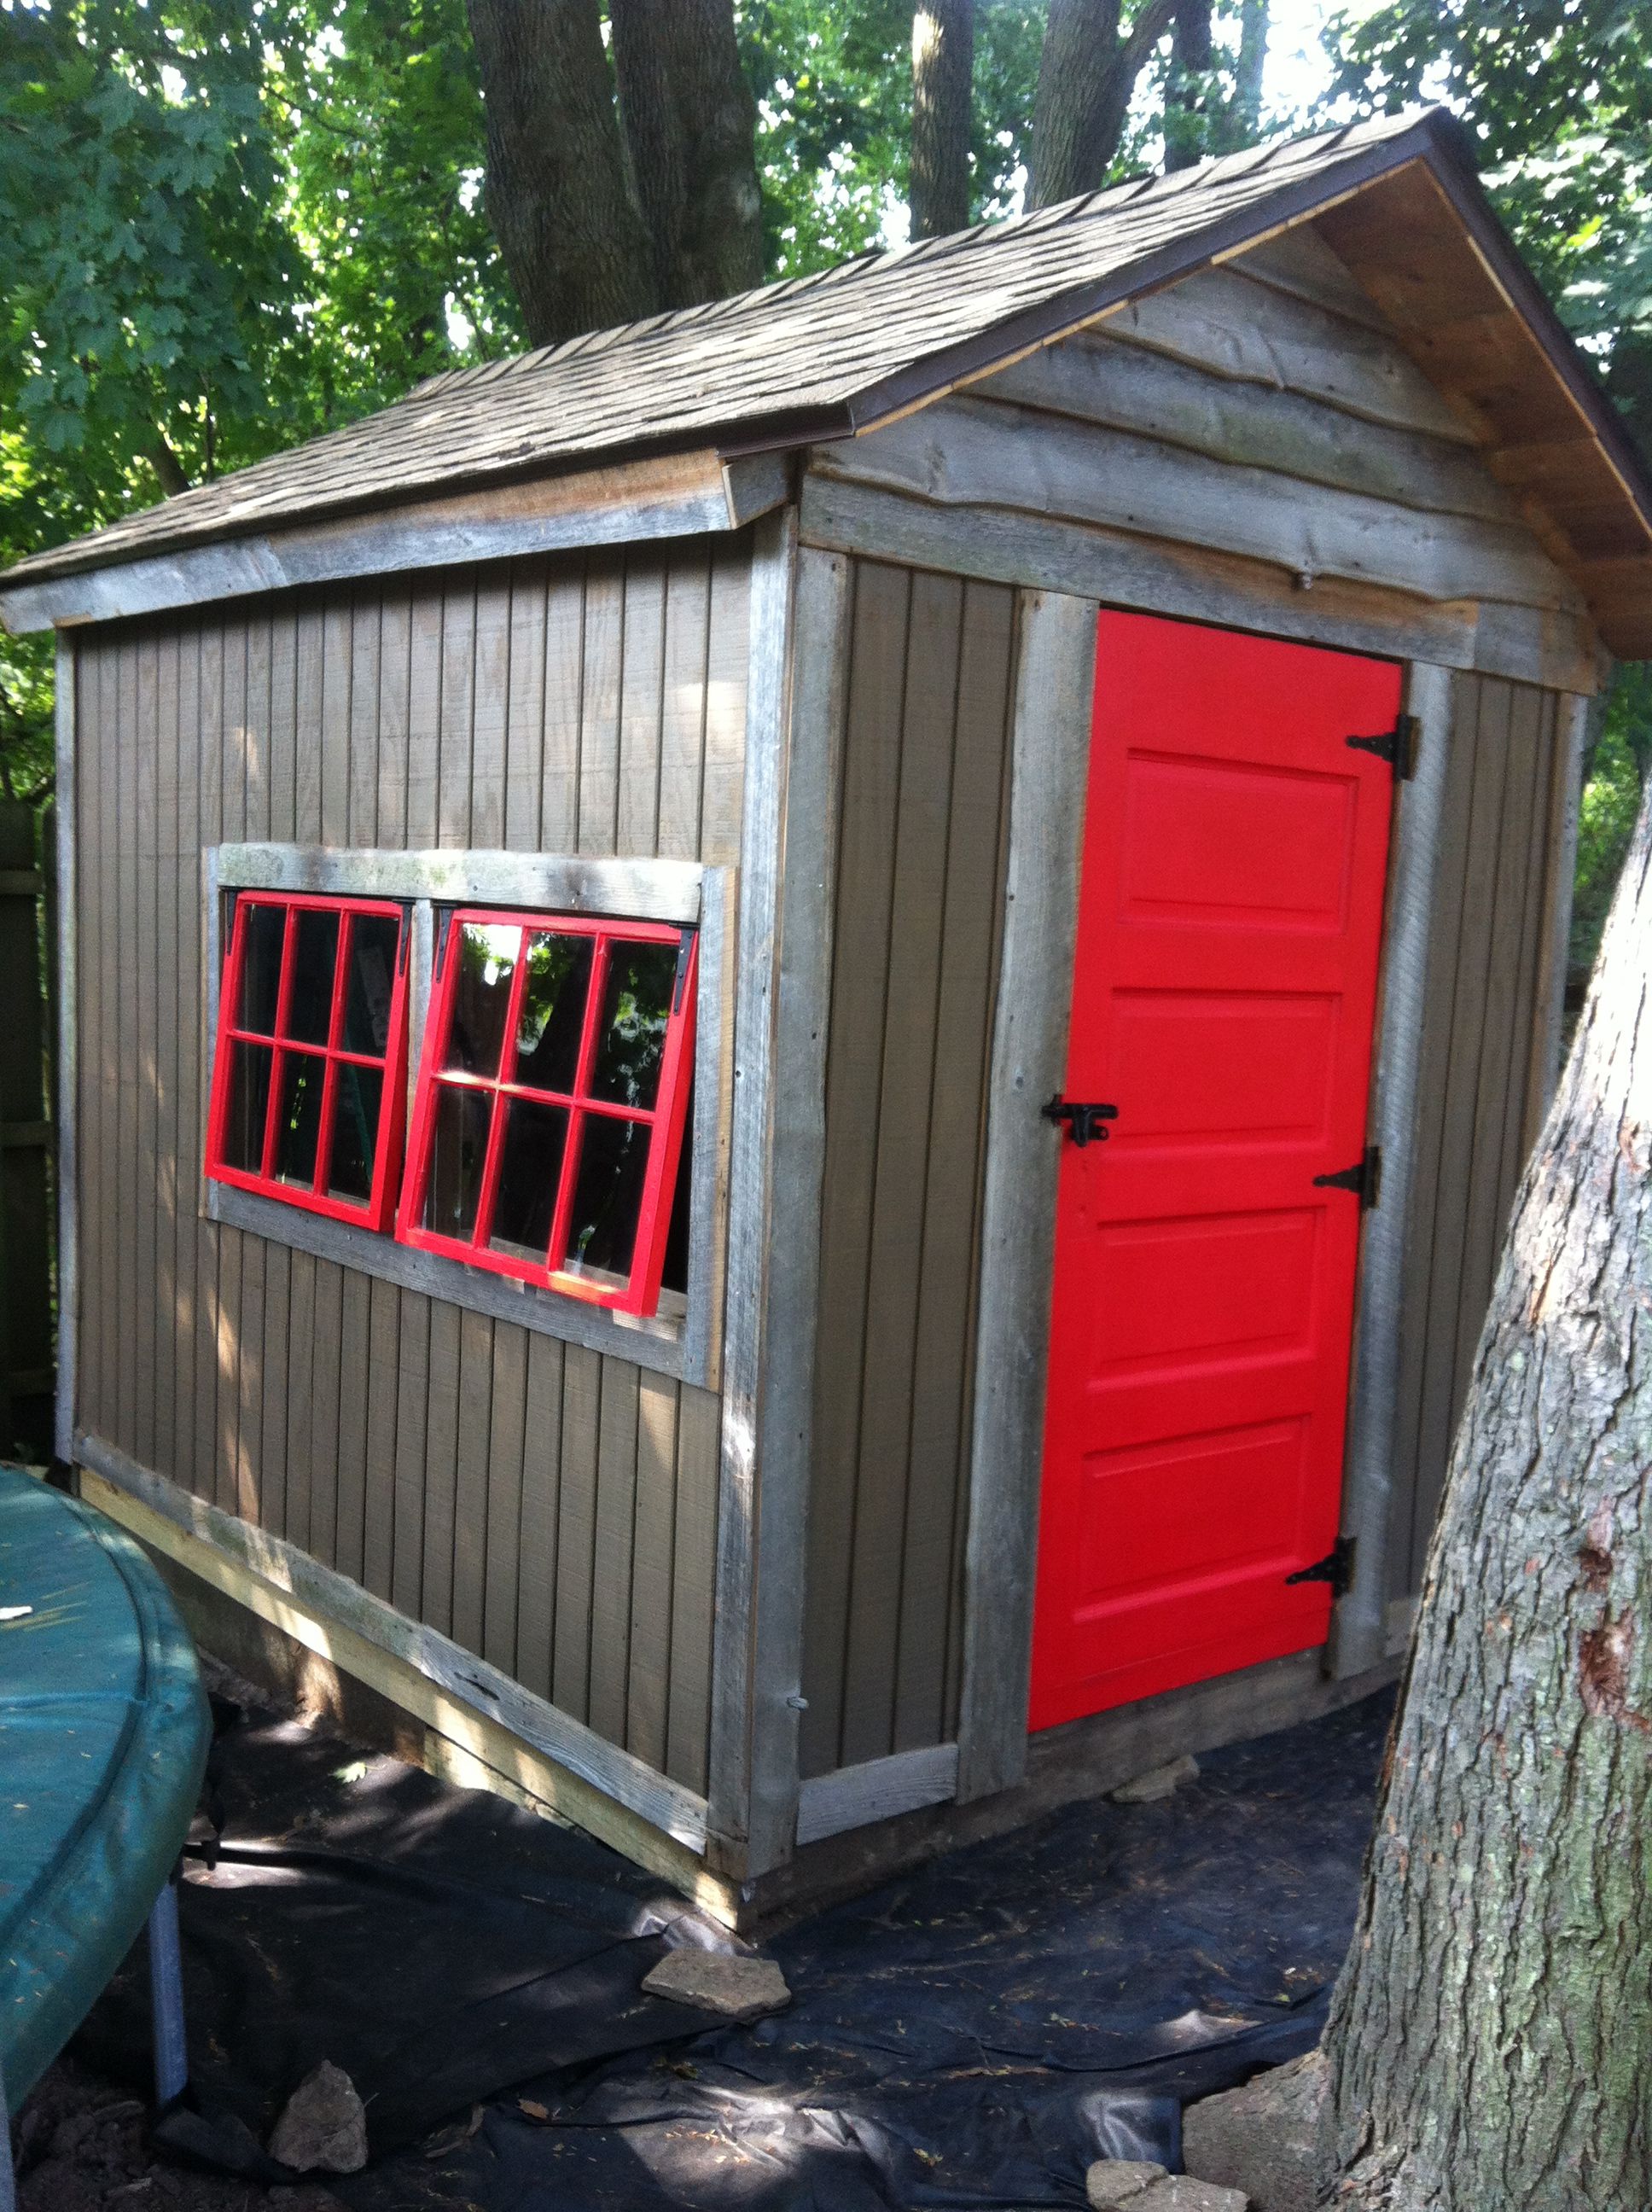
(1086, 72)
(1186, 90)
(1245, 117)
(690, 127)
(943, 76)
(558, 195)
(1487, 2043)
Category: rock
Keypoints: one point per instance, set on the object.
(719, 1981)
(1261, 2138)
(1112, 2182)
(1157, 1782)
(323, 2129)
(302, 2199)
(1181, 2192)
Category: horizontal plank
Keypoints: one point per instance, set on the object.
(1094, 379)
(1159, 577)
(1225, 322)
(22, 882)
(683, 494)
(1299, 261)
(980, 454)
(877, 1789)
(644, 890)
(468, 1681)
(24, 1136)
(658, 1343)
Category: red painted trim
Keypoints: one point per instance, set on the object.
(375, 1214)
(664, 1122)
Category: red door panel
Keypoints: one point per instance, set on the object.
(1223, 993)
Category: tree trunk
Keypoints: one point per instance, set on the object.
(557, 193)
(1245, 117)
(943, 74)
(1186, 89)
(1087, 71)
(690, 127)
(1487, 2043)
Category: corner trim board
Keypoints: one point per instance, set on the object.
(1359, 1627)
(65, 1106)
(744, 1546)
(459, 1675)
(879, 1790)
(1056, 665)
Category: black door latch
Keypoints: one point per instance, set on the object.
(1337, 1568)
(1083, 1123)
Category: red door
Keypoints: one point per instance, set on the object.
(1224, 994)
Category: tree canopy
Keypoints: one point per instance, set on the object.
(236, 223)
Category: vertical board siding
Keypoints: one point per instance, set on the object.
(918, 912)
(551, 1509)
(1499, 848)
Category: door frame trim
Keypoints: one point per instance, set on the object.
(1049, 774)
(1049, 778)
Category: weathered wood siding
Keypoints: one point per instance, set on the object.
(550, 1509)
(1484, 1082)
(917, 906)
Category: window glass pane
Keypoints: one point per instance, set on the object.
(375, 938)
(532, 1161)
(553, 1011)
(354, 1130)
(459, 1154)
(607, 1197)
(631, 1038)
(675, 1276)
(262, 934)
(249, 1099)
(298, 1116)
(482, 990)
(315, 956)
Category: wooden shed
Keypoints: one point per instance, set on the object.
(796, 1040)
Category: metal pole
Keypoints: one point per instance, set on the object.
(8, 2189)
(165, 1998)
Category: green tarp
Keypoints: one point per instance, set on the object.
(104, 1730)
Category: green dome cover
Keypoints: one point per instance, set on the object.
(104, 1730)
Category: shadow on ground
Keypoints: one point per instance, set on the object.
(974, 2035)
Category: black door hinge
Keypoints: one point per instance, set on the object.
(1398, 746)
(1364, 1178)
(1083, 1123)
(1337, 1568)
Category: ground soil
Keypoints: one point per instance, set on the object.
(81, 2148)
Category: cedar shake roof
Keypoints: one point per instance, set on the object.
(824, 357)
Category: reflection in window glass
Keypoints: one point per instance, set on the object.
(553, 1011)
(459, 1154)
(607, 1196)
(249, 1100)
(354, 1126)
(376, 939)
(482, 992)
(262, 937)
(298, 1116)
(315, 958)
(636, 1007)
(529, 1171)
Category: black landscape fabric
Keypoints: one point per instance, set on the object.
(971, 2034)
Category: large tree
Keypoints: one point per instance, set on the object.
(1488, 2042)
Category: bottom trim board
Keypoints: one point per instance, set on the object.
(855, 1797)
(307, 1601)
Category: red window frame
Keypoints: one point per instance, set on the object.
(377, 1211)
(640, 1294)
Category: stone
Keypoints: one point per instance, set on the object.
(1157, 1782)
(323, 2129)
(739, 1987)
(1181, 2192)
(1112, 2183)
(1261, 2138)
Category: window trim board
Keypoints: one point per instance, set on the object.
(686, 1346)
